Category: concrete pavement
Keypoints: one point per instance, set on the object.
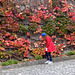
(57, 68)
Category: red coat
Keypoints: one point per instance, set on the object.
(49, 44)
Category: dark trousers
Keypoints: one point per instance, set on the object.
(48, 55)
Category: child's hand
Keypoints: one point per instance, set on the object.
(46, 49)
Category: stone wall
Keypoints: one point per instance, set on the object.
(36, 3)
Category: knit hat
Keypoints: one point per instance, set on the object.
(43, 34)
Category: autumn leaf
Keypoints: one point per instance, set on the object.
(61, 49)
(67, 36)
(53, 36)
(68, 42)
(73, 43)
(35, 44)
(28, 34)
(7, 34)
(2, 48)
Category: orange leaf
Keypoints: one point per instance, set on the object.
(67, 37)
(68, 42)
(62, 49)
(53, 36)
(1, 48)
(73, 43)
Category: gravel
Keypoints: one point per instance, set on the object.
(57, 68)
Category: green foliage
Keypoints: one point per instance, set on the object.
(37, 57)
(13, 61)
(33, 26)
(71, 53)
(65, 23)
(10, 62)
(55, 3)
(50, 26)
(4, 54)
(23, 29)
(5, 63)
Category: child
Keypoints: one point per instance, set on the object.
(49, 47)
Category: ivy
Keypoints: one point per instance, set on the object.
(23, 28)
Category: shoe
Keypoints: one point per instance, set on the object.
(50, 62)
(46, 62)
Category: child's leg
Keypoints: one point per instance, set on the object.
(47, 55)
(50, 56)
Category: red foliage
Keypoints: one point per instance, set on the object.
(10, 23)
(38, 51)
(11, 38)
(28, 34)
(7, 34)
(35, 45)
(35, 18)
(9, 13)
(57, 8)
(70, 37)
(73, 18)
(71, 14)
(67, 37)
(53, 36)
(2, 48)
(20, 16)
(39, 30)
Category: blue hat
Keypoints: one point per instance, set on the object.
(43, 34)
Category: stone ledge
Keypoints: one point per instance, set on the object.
(37, 62)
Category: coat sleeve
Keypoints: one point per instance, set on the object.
(48, 40)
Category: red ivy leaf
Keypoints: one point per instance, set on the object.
(2, 48)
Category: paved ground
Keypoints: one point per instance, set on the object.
(57, 68)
